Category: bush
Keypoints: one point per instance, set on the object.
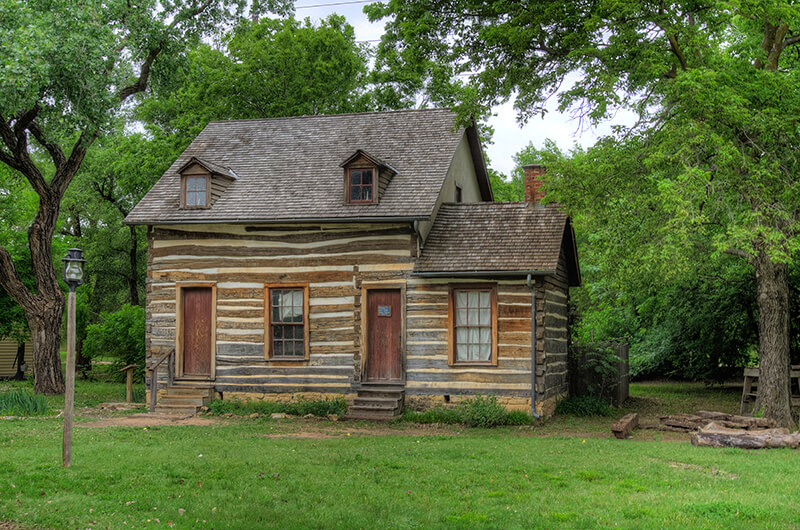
(584, 406)
(22, 403)
(302, 407)
(120, 335)
(478, 411)
(483, 411)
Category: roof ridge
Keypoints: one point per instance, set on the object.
(302, 116)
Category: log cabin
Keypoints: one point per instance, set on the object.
(358, 255)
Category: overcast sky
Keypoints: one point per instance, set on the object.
(509, 137)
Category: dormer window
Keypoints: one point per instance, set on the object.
(196, 191)
(361, 185)
(365, 178)
(203, 182)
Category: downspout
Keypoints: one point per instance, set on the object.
(420, 242)
(529, 283)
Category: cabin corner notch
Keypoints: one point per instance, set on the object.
(366, 178)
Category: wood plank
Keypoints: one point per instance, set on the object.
(622, 428)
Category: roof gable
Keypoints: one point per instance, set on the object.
(289, 169)
(499, 238)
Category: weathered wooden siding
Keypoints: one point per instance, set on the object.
(552, 381)
(8, 354)
(428, 372)
(333, 259)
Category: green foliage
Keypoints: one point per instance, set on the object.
(478, 411)
(302, 407)
(121, 335)
(594, 369)
(22, 403)
(583, 406)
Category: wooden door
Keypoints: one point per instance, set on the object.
(197, 331)
(384, 335)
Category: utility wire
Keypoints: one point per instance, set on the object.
(348, 2)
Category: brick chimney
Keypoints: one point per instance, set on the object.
(533, 183)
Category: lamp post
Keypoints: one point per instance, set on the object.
(73, 276)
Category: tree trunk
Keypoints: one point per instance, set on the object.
(20, 375)
(132, 283)
(774, 396)
(45, 328)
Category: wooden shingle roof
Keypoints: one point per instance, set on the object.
(290, 168)
(491, 237)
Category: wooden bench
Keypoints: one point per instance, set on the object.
(751, 383)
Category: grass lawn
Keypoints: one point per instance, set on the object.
(297, 473)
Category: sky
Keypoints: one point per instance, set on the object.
(509, 137)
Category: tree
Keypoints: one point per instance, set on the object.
(711, 165)
(265, 69)
(67, 70)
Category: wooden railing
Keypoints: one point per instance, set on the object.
(153, 373)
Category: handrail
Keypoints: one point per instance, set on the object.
(154, 376)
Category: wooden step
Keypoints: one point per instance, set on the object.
(386, 402)
(368, 413)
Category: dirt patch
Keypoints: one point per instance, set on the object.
(145, 420)
(7, 526)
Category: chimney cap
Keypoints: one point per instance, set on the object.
(533, 166)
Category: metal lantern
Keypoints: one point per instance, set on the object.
(73, 268)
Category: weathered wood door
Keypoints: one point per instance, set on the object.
(197, 331)
(384, 335)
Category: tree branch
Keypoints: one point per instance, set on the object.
(11, 281)
(64, 175)
(144, 74)
(738, 253)
(56, 154)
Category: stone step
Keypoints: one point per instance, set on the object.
(183, 410)
(385, 402)
(184, 401)
(364, 413)
(204, 391)
(381, 392)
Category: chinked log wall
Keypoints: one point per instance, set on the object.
(428, 372)
(332, 259)
(335, 260)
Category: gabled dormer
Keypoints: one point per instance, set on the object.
(365, 178)
(203, 182)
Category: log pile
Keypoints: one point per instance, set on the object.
(715, 435)
(695, 422)
(717, 429)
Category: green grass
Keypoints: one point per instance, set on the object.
(320, 407)
(22, 403)
(234, 476)
(253, 473)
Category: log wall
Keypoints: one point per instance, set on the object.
(333, 259)
(336, 260)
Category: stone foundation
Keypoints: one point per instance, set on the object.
(285, 397)
(428, 402)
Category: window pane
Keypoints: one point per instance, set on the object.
(277, 332)
(298, 348)
(486, 336)
(474, 335)
(366, 176)
(195, 198)
(461, 299)
(473, 352)
(355, 193)
(485, 316)
(461, 335)
(484, 298)
(277, 348)
(461, 317)
(485, 352)
(366, 193)
(462, 353)
(473, 317)
(355, 177)
(473, 299)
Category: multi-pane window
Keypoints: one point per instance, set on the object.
(473, 325)
(287, 322)
(196, 191)
(361, 183)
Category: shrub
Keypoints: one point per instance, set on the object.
(120, 335)
(319, 407)
(584, 406)
(22, 403)
(478, 411)
(482, 411)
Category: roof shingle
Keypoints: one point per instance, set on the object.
(289, 168)
(494, 237)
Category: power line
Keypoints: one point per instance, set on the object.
(348, 2)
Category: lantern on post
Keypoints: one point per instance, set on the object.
(73, 276)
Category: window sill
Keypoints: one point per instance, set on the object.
(472, 363)
(289, 360)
